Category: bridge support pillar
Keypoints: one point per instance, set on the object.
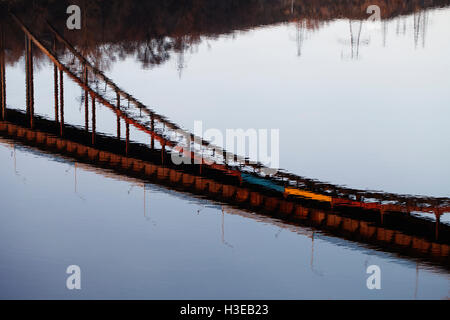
(55, 85)
(225, 160)
(29, 79)
(86, 100)
(127, 137)
(118, 117)
(201, 160)
(437, 214)
(55, 91)
(152, 128)
(93, 120)
(2, 72)
(61, 102)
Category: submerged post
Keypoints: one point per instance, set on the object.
(61, 101)
(2, 72)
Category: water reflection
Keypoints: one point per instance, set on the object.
(386, 223)
(312, 251)
(395, 232)
(152, 32)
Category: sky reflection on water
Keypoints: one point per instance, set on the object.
(375, 117)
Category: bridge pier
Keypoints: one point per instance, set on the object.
(2, 72)
(29, 79)
(118, 117)
(225, 160)
(93, 119)
(152, 128)
(163, 149)
(55, 85)
(200, 167)
(61, 102)
(127, 136)
(55, 90)
(437, 214)
(86, 100)
(382, 211)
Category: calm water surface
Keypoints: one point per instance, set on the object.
(374, 116)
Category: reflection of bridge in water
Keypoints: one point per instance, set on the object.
(375, 218)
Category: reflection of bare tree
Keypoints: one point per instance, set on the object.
(420, 21)
(153, 51)
(420, 26)
(354, 40)
(401, 26)
(303, 29)
(355, 28)
(180, 46)
(385, 30)
(416, 18)
(300, 36)
(152, 31)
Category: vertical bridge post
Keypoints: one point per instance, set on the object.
(382, 212)
(55, 87)
(27, 82)
(2, 72)
(152, 128)
(30, 48)
(93, 119)
(86, 100)
(127, 137)
(29, 78)
(437, 214)
(61, 101)
(118, 117)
